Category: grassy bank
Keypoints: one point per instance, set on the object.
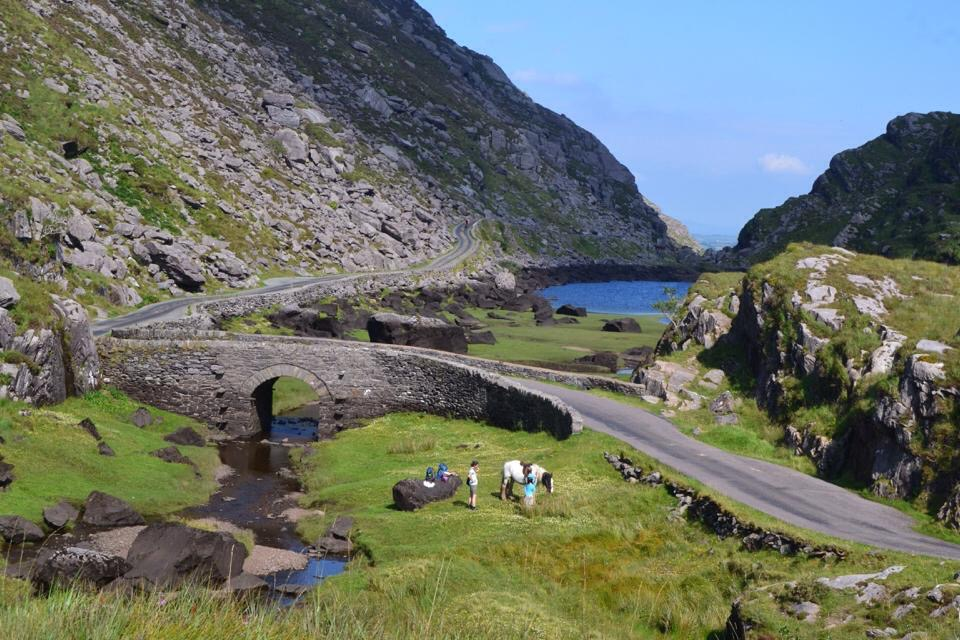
(600, 558)
(56, 459)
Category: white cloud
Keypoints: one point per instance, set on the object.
(532, 76)
(782, 163)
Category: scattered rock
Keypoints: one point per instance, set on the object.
(933, 346)
(723, 404)
(172, 455)
(187, 437)
(852, 580)
(60, 515)
(570, 310)
(410, 494)
(903, 611)
(102, 510)
(716, 376)
(141, 417)
(18, 530)
(806, 611)
(6, 475)
(623, 325)
(246, 583)
(481, 337)
(87, 425)
(872, 593)
(606, 359)
(105, 450)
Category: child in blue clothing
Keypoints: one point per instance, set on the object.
(529, 489)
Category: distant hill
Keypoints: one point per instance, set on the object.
(898, 196)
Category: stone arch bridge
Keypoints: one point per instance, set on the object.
(226, 380)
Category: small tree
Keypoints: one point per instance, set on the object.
(670, 306)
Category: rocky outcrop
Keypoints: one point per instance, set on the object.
(411, 494)
(416, 331)
(703, 322)
(893, 196)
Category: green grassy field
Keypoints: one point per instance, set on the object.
(55, 459)
(291, 393)
(519, 339)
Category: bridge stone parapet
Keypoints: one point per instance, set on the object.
(226, 380)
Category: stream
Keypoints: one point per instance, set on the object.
(259, 490)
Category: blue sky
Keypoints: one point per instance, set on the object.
(721, 108)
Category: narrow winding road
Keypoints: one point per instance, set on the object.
(177, 308)
(788, 495)
(783, 493)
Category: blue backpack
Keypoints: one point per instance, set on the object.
(441, 470)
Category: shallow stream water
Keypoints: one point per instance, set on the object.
(258, 491)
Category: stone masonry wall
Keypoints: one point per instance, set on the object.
(212, 376)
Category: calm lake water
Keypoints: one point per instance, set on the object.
(618, 296)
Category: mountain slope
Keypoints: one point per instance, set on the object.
(898, 195)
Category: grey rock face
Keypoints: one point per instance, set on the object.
(177, 262)
(82, 358)
(9, 296)
(102, 510)
(166, 554)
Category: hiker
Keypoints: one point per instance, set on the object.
(443, 472)
(529, 490)
(428, 479)
(472, 480)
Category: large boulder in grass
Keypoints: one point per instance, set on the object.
(6, 474)
(411, 494)
(169, 553)
(71, 565)
(187, 437)
(606, 359)
(622, 325)
(416, 331)
(17, 530)
(570, 310)
(102, 510)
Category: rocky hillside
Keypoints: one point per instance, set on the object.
(856, 357)
(898, 196)
(155, 148)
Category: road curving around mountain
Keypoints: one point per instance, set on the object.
(168, 310)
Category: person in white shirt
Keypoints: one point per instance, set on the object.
(472, 480)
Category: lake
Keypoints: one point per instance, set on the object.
(618, 296)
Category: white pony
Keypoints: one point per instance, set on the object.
(513, 472)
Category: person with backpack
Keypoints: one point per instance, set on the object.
(472, 481)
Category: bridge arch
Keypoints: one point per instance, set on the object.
(258, 387)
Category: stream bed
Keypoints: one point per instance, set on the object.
(260, 488)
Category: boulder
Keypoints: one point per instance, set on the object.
(141, 417)
(17, 530)
(102, 510)
(177, 261)
(329, 545)
(639, 356)
(481, 337)
(949, 512)
(9, 296)
(622, 325)
(570, 310)
(171, 454)
(105, 450)
(6, 475)
(723, 404)
(187, 437)
(81, 357)
(341, 528)
(168, 553)
(60, 515)
(411, 494)
(71, 565)
(606, 359)
(431, 333)
(87, 425)
(292, 146)
(79, 230)
(246, 583)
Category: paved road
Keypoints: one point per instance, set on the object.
(786, 494)
(177, 308)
